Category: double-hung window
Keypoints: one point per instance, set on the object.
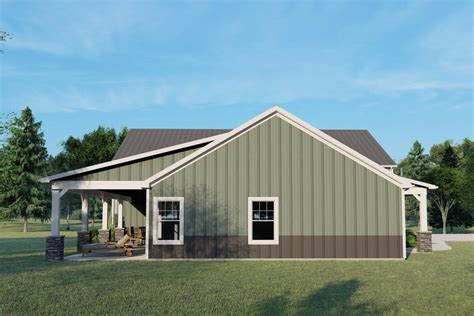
(168, 221)
(263, 220)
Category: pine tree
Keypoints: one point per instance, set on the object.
(415, 166)
(23, 161)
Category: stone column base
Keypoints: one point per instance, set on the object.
(54, 248)
(423, 242)
(103, 236)
(82, 239)
(119, 232)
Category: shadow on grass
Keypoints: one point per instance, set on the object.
(334, 299)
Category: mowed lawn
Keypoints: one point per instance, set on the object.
(438, 283)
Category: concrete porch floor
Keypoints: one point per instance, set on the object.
(104, 256)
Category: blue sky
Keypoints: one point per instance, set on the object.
(403, 70)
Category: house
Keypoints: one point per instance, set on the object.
(274, 187)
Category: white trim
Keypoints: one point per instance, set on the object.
(98, 185)
(404, 233)
(84, 212)
(333, 143)
(127, 159)
(119, 213)
(276, 221)
(147, 223)
(105, 213)
(55, 204)
(101, 194)
(156, 220)
(63, 192)
(420, 183)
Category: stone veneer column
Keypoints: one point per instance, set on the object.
(55, 248)
(103, 235)
(119, 232)
(82, 239)
(423, 242)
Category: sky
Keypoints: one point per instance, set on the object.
(401, 69)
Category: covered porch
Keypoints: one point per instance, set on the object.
(420, 192)
(112, 195)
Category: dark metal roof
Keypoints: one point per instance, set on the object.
(363, 142)
(143, 140)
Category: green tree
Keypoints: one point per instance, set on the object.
(95, 147)
(446, 198)
(467, 164)
(414, 166)
(23, 157)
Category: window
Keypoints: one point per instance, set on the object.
(168, 221)
(263, 221)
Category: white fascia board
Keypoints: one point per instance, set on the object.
(97, 185)
(98, 193)
(420, 183)
(220, 141)
(126, 159)
(294, 121)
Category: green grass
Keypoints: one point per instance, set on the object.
(438, 283)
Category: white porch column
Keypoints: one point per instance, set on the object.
(55, 202)
(105, 211)
(423, 210)
(113, 208)
(84, 213)
(120, 214)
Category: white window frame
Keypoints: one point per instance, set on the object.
(276, 221)
(156, 220)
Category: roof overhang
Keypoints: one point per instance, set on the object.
(129, 159)
(417, 183)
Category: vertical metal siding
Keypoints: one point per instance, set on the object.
(135, 171)
(330, 206)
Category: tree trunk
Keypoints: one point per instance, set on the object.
(444, 226)
(25, 224)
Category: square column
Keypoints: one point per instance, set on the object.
(423, 210)
(55, 203)
(84, 213)
(119, 231)
(55, 243)
(83, 236)
(104, 232)
(120, 214)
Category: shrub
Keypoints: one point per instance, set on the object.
(411, 239)
(94, 235)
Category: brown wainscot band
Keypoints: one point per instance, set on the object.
(288, 247)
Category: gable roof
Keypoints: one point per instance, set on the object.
(139, 141)
(326, 139)
(145, 143)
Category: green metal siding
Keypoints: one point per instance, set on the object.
(136, 171)
(321, 192)
(132, 216)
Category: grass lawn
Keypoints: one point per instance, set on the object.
(438, 283)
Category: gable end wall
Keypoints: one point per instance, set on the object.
(330, 206)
